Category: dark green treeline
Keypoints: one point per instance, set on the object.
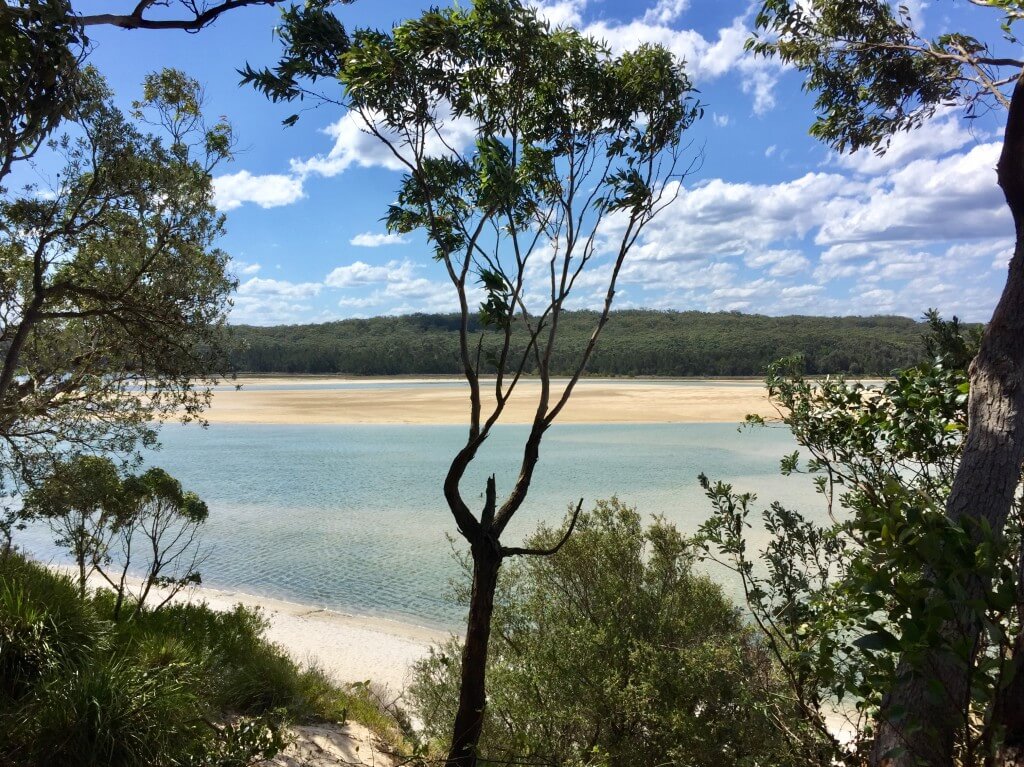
(635, 342)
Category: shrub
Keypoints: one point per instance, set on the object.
(613, 651)
(117, 712)
(43, 623)
(184, 685)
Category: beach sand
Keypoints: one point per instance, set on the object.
(593, 401)
(351, 648)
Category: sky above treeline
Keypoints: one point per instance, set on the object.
(772, 221)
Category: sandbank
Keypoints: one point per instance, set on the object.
(447, 402)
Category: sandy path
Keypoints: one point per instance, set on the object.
(448, 403)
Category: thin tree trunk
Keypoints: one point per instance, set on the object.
(917, 727)
(472, 691)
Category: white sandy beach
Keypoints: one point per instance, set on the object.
(351, 648)
(447, 402)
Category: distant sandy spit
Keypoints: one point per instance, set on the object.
(593, 401)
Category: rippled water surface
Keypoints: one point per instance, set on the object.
(353, 518)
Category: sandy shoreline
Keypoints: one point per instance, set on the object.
(352, 648)
(446, 401)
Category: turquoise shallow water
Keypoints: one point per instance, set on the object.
(353, 518)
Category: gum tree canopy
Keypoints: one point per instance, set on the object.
(112, 292)
(109, 278)
(533, 160)
(874, 75)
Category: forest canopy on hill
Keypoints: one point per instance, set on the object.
(634, 343)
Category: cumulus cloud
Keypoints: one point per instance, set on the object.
(560, 13)
(778, 263)
(937, 137)
(706, 58)
(353, 145)
(376, 240)
(362, 273)
(260, 286)
(244, 268)
(267, 191)
(666, 11)
(265, 301)
(954, 197)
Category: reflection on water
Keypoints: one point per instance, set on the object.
(352, 516)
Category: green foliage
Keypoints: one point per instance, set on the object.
(634, 342)
(874, 74)
(613, 651)
(83, 501)
(40, 51)
(115, 710)
(889, 581)
(44, 625)
(104, 520)
(184, 685)
(117, 287)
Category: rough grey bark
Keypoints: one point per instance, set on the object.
(915, 726)
(487, 558)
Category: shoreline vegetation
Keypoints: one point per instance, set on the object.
(594, 401)
(351, 648)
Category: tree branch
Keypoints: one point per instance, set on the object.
(515, 551)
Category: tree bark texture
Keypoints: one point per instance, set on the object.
(917, 727)
(487, 556)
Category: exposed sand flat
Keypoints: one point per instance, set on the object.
(593, 401)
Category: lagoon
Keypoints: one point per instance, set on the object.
(352, 517)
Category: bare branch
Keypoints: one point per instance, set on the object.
(514, 551)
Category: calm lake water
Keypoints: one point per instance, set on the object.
(353, 518)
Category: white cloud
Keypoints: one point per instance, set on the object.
(778, 263)
(720, 120)
(244, 268)
(260, 286)
(267, 191)
(951, 198)
(261, 301)
(770, 150)
(362, 273)
(706, 58)
(353, 145)
(561, 13)
(376, 240)
(937, 137)
(665, 11)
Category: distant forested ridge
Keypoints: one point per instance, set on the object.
(635, 343)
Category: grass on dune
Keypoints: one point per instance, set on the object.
(184, 685)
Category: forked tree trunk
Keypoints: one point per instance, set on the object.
(472, 690)
(917, 727)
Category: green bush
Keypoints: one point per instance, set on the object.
(43, 623)
(183, 685)
(117, 712)
(613, 651)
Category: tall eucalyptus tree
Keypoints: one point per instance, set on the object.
(874, 75)
(569, 153)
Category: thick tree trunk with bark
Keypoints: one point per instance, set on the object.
(487, 558)
(916, 727)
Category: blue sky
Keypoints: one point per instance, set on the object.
(773, 221)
